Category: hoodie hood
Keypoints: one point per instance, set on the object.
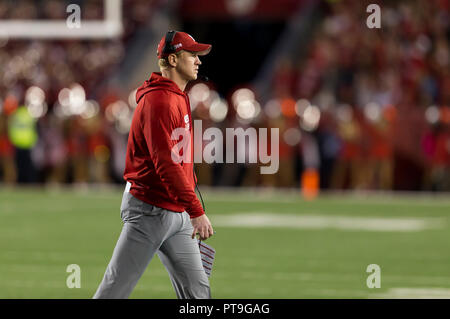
(157, 82)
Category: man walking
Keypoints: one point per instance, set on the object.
(160, 210)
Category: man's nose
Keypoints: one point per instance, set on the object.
(198, 61)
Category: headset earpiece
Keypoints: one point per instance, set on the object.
(168, 47)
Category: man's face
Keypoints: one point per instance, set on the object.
(188, 64)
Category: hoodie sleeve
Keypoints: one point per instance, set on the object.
(162, 119)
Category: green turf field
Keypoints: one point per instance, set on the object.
(269, 245)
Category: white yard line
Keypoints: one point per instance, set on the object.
(266, 220)
(414, 293)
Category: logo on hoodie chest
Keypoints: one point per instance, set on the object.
(186, 122)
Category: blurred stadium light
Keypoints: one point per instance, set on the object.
(218, 110)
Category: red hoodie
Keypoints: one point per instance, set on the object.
(155, 178)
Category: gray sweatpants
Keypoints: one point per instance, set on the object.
(148, 230)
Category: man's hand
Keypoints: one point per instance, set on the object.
(202, 226)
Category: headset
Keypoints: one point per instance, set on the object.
(168, 47)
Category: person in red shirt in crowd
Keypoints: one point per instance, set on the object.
(379, 157)
(348, 170)
(436, 149)
(7, 165)
(160, 210)
(99, 149)
(77, 150)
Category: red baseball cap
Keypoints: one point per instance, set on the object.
(182, 41)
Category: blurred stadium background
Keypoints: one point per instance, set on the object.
(360, 111)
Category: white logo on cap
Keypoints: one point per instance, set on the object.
(186, 120)
(179, 45)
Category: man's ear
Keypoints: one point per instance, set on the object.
(172, 59)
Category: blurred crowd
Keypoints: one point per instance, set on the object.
(54, 96)
(383, 94)
(364, 109)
